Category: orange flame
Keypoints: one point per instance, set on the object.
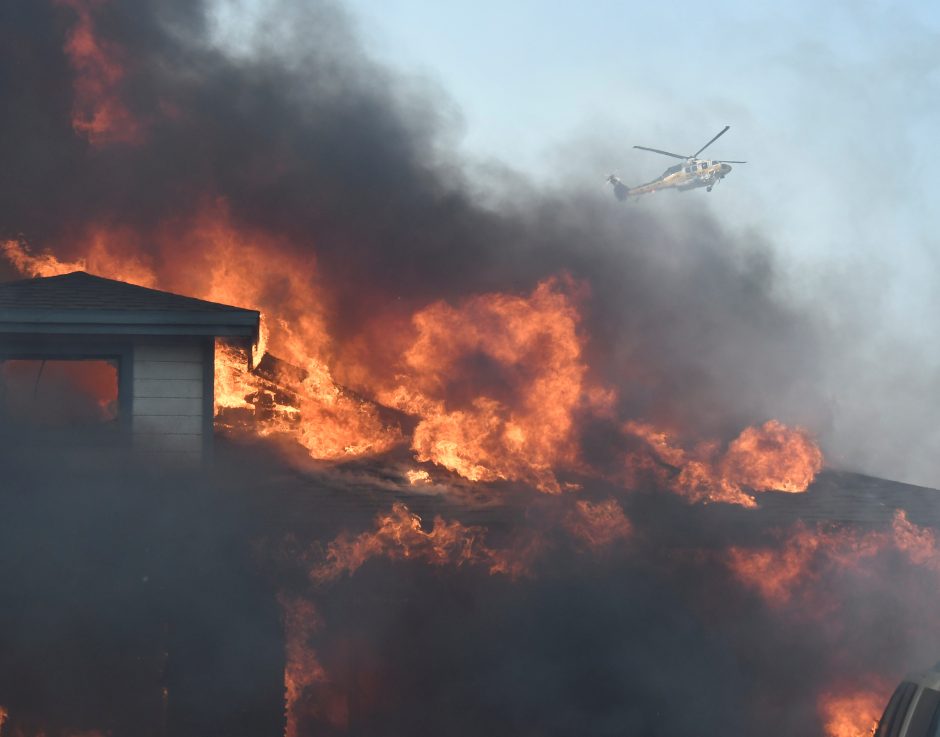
(98, 113)
(399, 535)
(772, 457)
(852, 714)
(918, 543)
(305, 680)
(521, 425)
(99, 259)
(498, 382)
(418, 476)
(777, 574)
(236, 267)
(599, 525)
(774, 573)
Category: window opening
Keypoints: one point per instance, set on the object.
(59, 393)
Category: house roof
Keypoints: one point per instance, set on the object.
(82, 303)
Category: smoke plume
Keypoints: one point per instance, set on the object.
(128, 122)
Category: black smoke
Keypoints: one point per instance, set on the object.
(133, 603)
(308, 138)
(146, 603)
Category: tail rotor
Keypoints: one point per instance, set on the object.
(621, 190)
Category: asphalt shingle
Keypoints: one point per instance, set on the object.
(82, 291)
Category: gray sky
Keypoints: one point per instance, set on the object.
(835, 106)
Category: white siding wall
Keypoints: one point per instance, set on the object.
(168, 417)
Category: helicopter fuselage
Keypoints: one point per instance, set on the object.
(691, 174)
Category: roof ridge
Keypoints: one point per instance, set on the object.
(53, 285)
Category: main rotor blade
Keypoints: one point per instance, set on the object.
(723, 131)
(729, 161)
(664, 153)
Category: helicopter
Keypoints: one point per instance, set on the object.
(691, 174)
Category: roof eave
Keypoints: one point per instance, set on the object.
(57, 328)
(234, 323)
